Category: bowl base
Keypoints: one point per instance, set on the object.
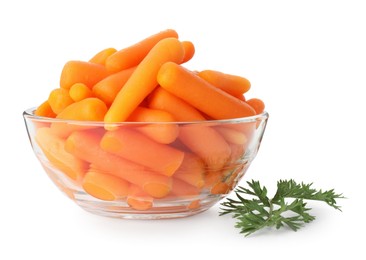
(162, 209)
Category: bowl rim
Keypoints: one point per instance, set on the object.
(29, 114)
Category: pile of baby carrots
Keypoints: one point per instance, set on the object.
(158, 158)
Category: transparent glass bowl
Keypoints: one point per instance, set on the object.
(145, 170)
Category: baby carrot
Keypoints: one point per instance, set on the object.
(79, 91)
(189, 51)
(161, 133)
(85, 145)
(82, 72)
(89, 109)
(138, 148)
(45, 110)
(108, 88)
(212, 178)
(232, 84)
(183, 189)
(196, 91)
(138, 199)
(191, 170)
(134, 54)
(237, 152)
(102, 56)
(143, 80)
(206, 143)
(257, 104)
(59, 99)
(104, 186)
(220, 188)
(232, 136)
(53, 148)
(181, 110)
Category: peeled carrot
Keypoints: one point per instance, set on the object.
(181, 110)
(237, 152)
(102, 56)
(235, 174)
(161, 133)
(138, 148)
(195, 204)
(89, 109)
(191, 170)
(183, 189)
(45, 110)
(85, 145)
(189, 51)
(53, 148)
(138, 199)
(143, 80)
(87, 73)
(206, 143)
(257, 104)
(134, 54)
(201, 94)
(232, 136)
(220, 188)
(104, 186)
(108, 88)
(212, 178)
(79, 91)
(232, 84)
(59, 99)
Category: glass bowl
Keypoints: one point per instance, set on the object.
(145, 170)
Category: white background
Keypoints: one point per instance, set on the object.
(305, 59)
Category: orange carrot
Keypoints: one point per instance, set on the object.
(231, 135)
(89, 109)
(211, 178)
(220, 188)
(195, 204)
(134, 54)
(102, 56)
(235, 173)
(79, 91)
(181, 110)
(237, 152)
(104, 186)
(183, 189)
(59, 99)
(206, 143)
(161, 133)
(196, 91)
(189, 51)
(191, 170)
(85, 145)
(232, 84)
(143, 80)
(257, 104)
(108, 88)
(45, 110)
(138, 148)
(138, 199)
(82, 72)
(53, 148)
